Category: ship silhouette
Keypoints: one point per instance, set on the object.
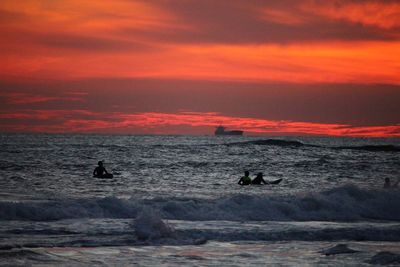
(220, 130)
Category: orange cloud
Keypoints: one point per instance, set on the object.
(87, 16)
(289, 17)
(170, 123)
(302, 43)
(381, 14)
(356, 62)
(26, 98)
(70, 39)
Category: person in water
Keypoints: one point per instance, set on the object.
(245, 180)
(99, 170)
(388, 184)
(259, 179)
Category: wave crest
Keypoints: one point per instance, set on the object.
(373, 148)
(345, 203)
(297, 144)
(149, 225)
(270, 142)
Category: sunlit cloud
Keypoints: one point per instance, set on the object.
(381, 14)
(26, 98)
(304, 63)
(83, 121)
(70, 40)
(288, 17)
(307, 44)
(44, 115)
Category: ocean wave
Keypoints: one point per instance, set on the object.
(327, 234)
(345, 203)
(149, 229)
(270, 142)
(372, 148)
(109, 207)
(298, 144)
(149, 226)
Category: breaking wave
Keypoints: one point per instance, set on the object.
(345, 203)
(149, 225)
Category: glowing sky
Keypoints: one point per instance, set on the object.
(184, 67)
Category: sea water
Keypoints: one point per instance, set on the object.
(174, 200)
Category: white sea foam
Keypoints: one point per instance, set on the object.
(149, 225)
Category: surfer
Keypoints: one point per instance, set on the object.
(388, 184)
(259, 179)
(99, 171)
(245, 180)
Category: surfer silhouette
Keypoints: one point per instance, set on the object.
(259, 179)
(388, 184)
(245, 180)
(99, 171)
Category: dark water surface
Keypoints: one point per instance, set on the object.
(60, 166)
(182, 191)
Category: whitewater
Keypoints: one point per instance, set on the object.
(175, 200)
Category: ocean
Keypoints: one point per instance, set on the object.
(174, 200)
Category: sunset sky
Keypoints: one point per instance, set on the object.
(185, 66)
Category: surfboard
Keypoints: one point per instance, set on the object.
(275, 181)
(107, 175)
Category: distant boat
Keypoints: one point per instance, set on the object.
(221, 131)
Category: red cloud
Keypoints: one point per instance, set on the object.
(26, 98)
(170, 123)
(370, 13)
(73, 40)
(304, 42)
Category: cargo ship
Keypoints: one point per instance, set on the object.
(221, 131)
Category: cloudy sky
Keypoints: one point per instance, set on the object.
(185, 66)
